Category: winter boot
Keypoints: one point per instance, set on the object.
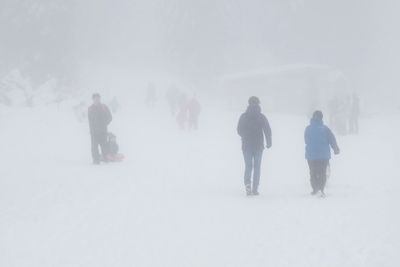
(248, 190)
(255, 192)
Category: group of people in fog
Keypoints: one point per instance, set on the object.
(185, 109)
(253, 128)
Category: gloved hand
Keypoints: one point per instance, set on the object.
(336, 151)
(269, 145)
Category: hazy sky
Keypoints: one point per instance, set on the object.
(202, 40)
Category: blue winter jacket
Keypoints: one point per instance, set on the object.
(319, 140)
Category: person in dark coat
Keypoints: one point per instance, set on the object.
(319, 140)
(182, 115)
(253, 127)
(99, 118)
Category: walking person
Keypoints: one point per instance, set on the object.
(194, 109)
(182, 115)
(253, 127)
(99, 118)
(319, 139)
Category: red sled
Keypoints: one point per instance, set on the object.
(116, 158)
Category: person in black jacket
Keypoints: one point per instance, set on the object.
(253, 127)
(99, 118)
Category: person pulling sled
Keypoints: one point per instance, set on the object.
(99, 118)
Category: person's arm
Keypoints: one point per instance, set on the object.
(267, 132)
(306, 136)
(90, 118)
(332, 142)
(240, 126)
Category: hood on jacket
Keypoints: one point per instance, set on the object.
(316, 121)
(253, 109)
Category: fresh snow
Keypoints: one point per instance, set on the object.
(178, 199)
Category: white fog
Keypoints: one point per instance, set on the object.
(199, 133)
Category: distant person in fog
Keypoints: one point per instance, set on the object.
(99, 118)
(182, 115)
(194, 109)
(354, 115)
(253, 128)
(341, 117)
(333, 107)
(319, 139)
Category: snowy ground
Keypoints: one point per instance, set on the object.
(178, 198)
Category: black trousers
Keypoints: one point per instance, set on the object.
(318, 174)
(99, 139)
(252, 160)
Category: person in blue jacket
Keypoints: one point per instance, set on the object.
(319, 140)
(253, 127)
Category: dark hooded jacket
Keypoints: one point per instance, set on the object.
(99, 118)
(252, 128)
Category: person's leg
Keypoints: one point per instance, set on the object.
(257, 169)
(196, 122)
(356, 125)
(318, 175)
(323, 166)
(95, 148)
(192, 122)
(353, 125)
(313, 175)
(248, 161)
(104, 146)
